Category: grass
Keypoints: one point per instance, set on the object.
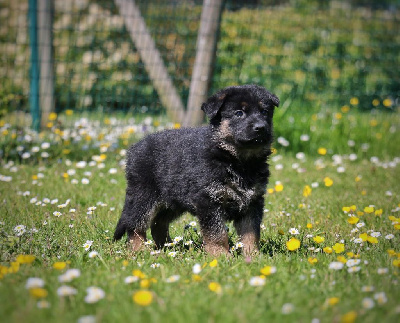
(298, 290)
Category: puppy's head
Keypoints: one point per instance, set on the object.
(242, 116)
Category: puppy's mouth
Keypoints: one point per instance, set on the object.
(253, 142)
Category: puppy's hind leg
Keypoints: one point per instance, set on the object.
(136, 218)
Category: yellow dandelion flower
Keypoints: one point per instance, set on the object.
(322, 151)
(328, 181)
(38, 292)
(328, 250)
(312, 260)
(358, 178)
(373, 240)
(373, 122)
(354, 101)
(363, 236)
(307, 191)
(268, 270)
(177, 125)
(349, 317)
(319, 239)
(375, 102)
(279, 187)
(332, 301)
(196, 278)
(396, 263)
(387, 103)
(3, 270)
(345, 109)
(215, 287)
(14, 267)
(52, 116)
(338, 247)
(143, 297)
(69, 112)
(360, 213)
(369, 209)
(309, 225)
(342, 259)
(270, 190)
(59, 265)
(138, 273)
(293, 244)
(350, 254)
(353, 220)
(378, 212)
(346, 209)
(214, 263)
(25, 259)
(145, 283)
(391, 252)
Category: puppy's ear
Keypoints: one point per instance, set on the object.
(271, 97)
(274, 99)
(214, 103)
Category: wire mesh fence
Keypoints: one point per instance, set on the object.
(310, 53)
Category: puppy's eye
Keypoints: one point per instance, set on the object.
(239, 113)
(264, 112)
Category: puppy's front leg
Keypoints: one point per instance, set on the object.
(248, 229)
(215, 237)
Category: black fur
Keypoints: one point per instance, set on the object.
(217, 172)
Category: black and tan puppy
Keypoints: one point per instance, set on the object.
(217, 172)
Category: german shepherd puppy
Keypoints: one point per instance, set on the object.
(217, 172)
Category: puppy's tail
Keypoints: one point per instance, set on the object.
(119, 230)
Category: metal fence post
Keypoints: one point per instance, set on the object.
(46, 56)
(34, 72)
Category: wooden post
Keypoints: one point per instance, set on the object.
(46, 58)
(203, 65)
(152, 59)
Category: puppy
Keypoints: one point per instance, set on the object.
(217, 172)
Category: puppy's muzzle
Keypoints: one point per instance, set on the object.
(259, 127)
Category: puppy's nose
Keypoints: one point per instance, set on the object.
(259, 126)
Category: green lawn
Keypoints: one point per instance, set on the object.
(300, 286)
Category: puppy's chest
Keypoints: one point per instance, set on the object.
(235, 190)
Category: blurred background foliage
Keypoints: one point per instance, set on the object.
(312, 54)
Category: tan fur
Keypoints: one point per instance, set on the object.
(136, 240)
(224, 135)
(247, 236)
